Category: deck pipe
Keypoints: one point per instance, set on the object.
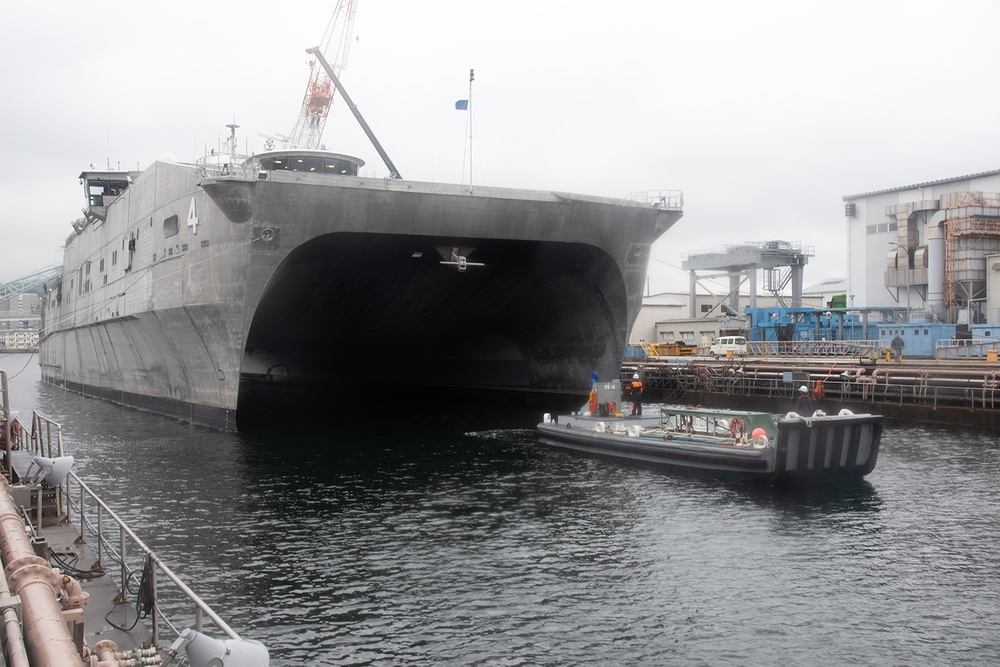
(889, 370)
(46, 635)
(882, 376)
(16, 653)
(106, 654)
(922, 378)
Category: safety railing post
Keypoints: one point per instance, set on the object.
(83, 495)
(154, 622)
(121, 553)
(100, 537)
(38, 490)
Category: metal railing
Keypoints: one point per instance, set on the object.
(972, 389)
(816, 348)
(670, 200)
(91, 513)
(964, 348)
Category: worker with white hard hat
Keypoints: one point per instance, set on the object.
(804, 403)
(635, 391)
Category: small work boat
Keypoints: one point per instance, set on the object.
(756, 447)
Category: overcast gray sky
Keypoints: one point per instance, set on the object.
(765, 114)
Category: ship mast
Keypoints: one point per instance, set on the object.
(472, 77)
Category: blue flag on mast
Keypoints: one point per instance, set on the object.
(462, 105)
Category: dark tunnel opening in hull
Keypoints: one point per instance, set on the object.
(348, 316)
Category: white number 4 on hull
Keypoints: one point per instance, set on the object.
(192, 221)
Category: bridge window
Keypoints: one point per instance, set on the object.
(310, 163)
(97, 189)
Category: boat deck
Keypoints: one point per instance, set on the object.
(727, 444)
(107, 616)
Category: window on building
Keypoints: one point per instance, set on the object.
(881, 228)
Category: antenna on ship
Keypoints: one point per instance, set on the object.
(232, 143)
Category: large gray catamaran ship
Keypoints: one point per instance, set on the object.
(208, 291)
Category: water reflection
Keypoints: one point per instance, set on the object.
(457, 539)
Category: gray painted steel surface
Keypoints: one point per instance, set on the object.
(201, 294)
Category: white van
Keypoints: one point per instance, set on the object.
(728, 346)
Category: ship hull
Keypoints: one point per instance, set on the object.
(300, 286)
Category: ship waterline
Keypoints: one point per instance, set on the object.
(207, 293)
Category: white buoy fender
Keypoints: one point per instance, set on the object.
(845, 413)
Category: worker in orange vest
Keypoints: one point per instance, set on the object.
(636, 390)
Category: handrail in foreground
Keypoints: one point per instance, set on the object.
(201, 607)
(46, 440)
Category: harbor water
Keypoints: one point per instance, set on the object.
(453, 538)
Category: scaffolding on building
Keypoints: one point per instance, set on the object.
(971, 232)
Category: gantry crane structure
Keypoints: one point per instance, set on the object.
(335, 46)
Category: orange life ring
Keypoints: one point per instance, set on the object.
(736, 427)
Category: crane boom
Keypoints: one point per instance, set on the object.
(393, 172)
(335, 45)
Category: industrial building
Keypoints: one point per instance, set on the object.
(21, 309)
(664, 317)
(930, 249)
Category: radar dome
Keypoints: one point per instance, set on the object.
(167, 157)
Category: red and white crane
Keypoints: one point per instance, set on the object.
(335, 46)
